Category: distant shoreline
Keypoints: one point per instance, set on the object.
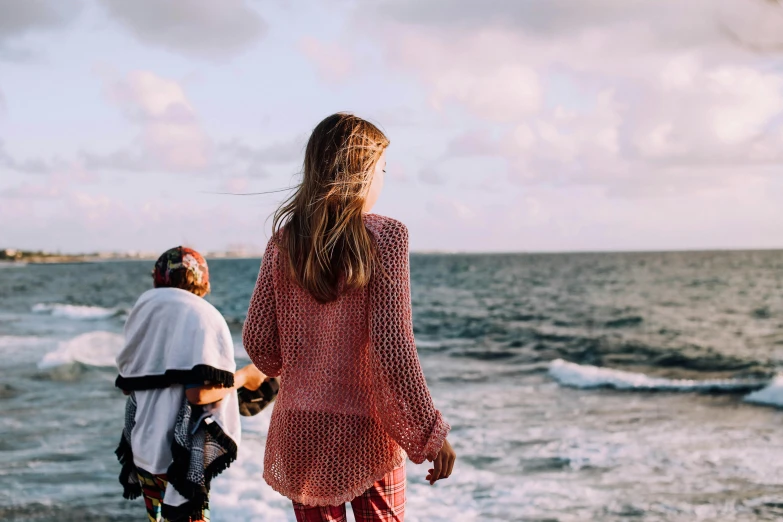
(43, 258)
(74, 260)
(52, 259)
(63, 260)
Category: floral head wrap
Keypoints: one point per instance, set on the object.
(177, 259)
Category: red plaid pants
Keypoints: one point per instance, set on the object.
(383, 502)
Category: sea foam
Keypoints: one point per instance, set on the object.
(91, 349)
(15, 264)
(84, 313)
(77, 312)
(240, 494)
(771, 395)
(587, 376)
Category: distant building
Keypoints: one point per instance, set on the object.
(10, 253)
(235, 251)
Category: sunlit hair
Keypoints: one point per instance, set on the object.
(320, 227)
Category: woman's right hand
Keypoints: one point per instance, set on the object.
(249, 377)
(443, 463)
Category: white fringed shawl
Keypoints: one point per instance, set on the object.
(175, 337)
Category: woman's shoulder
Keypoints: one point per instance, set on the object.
(274, 243)
(386, 228)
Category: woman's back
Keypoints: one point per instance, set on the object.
(353, 399)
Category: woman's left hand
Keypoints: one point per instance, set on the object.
(443, 463)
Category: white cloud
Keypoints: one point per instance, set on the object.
(503, 94)
(235, 185)
(565, 125)
(121, 160)
(21, 19)
(757, 24)
(479, 71)
(200, 28)
(447, 210)
(172, 138)
(30, 165)
(75, 220)
(154, 97)
(558, 146)
(255, 160)
(749, 100)
(607, 93)
(680, 72)
(170, 131)
(31, 191)
(724, 113)
(660, 142)
(50, 184)
(333, 62)
(656, 23)
(95, 208)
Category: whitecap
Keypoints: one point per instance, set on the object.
(240, 493)
(78, 312)
(14, 264)
(91, 349)
(24, 350)
(18, 341)
(771, 395)
(240, 352)
(587, 376)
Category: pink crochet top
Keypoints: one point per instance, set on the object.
(353, 399)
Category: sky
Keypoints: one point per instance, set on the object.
(544, 125)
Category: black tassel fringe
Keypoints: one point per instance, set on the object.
(125, 456)
(197, 495)
(199, 373)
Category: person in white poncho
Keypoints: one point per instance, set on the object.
(182, 414)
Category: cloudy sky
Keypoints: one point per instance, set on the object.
(544, 125)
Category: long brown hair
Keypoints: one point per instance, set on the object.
(320, 227)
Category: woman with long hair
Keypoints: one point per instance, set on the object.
(331, 315)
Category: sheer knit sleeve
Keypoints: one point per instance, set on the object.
(259, 334)
(402, 398)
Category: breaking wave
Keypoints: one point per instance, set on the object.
(771, 395)
(586, 376)
(97, 349)
(78, 312)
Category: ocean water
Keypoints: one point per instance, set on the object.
(579, 387)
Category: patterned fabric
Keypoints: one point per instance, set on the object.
(153, 487)
(128, 476)
(353, 399)
(383, 502)
(203, 449)
(179, 258)
(200, 451)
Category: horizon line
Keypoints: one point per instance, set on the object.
(228, 254)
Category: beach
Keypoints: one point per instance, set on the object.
(638, 386)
